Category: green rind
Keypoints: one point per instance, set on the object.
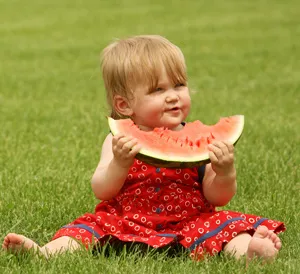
(170, 164)
(175, 162)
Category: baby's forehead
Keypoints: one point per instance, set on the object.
(150, 75)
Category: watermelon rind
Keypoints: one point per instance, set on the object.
(171, 163)
(163, 160)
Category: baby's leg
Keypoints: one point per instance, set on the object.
(19, 243)
(263, 244)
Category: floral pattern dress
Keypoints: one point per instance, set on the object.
(164, 207)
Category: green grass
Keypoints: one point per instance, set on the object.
(243, 57)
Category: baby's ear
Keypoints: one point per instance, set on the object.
(122, 106)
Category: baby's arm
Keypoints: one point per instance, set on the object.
(219, 182)
(117, 156)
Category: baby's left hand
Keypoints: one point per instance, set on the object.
(221, 155)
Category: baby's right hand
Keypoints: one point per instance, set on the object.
(125, 149)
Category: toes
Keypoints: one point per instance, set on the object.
(278, 244)
(11, 237)
(272, 236)
(275, 239)
(5, 242)
(262, 231)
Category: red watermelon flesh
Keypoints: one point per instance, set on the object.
(184, 148)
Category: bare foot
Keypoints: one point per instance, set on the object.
(264, 244)
(17, 243)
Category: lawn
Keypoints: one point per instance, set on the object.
(243, 57)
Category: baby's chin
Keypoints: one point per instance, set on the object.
(173, 126)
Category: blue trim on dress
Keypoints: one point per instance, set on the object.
(201, 172)
(169, 235)
(258, 223)
(214, 232)
(92, 231)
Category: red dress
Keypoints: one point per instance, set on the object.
(160, 207)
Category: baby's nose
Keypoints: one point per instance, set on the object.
(172, 96)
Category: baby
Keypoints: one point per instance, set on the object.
(146, 80)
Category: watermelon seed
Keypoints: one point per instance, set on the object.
(186, 140)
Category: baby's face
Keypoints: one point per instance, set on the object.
(167, 105)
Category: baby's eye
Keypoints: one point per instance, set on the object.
(154, 90)
(179, 85)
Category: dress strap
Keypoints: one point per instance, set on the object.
(201, 171)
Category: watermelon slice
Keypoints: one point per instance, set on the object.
(185, 148)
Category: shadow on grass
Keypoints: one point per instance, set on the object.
(139, 250)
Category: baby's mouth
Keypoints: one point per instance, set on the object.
(173, 109)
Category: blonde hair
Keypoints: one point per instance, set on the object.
(137, 60)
